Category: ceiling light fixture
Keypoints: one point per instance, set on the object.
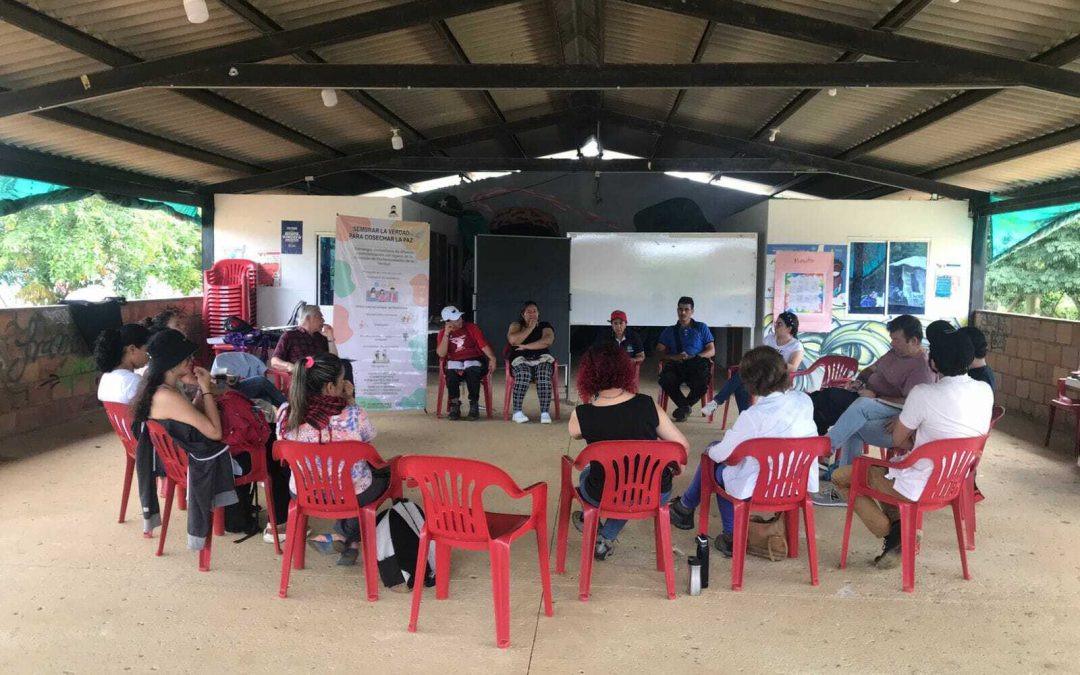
(832, 92)
(196, 10)
(329, 97)
(773, 133)
(396, 141)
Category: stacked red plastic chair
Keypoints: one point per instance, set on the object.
(229, 289)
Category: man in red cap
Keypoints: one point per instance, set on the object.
(626, 339)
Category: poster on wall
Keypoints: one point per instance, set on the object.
(866, 277)
(292, 237)
(269, 268)
(803, 285)
(907, 277)
(770, 262)
(380, 281)
(840, 255)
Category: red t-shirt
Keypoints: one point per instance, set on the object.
(466, 343)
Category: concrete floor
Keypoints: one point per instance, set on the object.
(81, 593)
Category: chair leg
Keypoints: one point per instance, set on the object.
(418, 585)
(219, 522)
(300, 550)
(664, 526)
(268, 492)
(811, 540)
(852, 493)
(738, 553)
(1050, 426)
(181, 497)
(723, 420)
(506, 399)
(1076, 446)
(487, 396)
(562, 532)
(169, 492)
(442, 571)
(369, 553)
(500, 591)
(960, 539)
(791, 526)
(658, 543)
(204, 554)
(129, 473)
(555, 392)
(908, 518)
(290, 545)
(439, 396)
(545, 563)
(967, 510)
(588, 545)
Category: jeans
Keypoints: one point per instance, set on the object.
(472, 376)
(692, 498)
(863, 422)
(693, 372)
(734, 386)
(611, 527)
(350, 527)
(260, 387)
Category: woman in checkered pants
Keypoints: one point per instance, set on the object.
(529, 339)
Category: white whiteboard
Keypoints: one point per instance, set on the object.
(645, 273)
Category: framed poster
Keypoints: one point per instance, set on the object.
(292, 237)
(867, 276)
(907, 277)
(804, 285)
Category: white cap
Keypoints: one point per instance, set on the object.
(451, 313)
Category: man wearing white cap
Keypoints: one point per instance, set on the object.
(463, 346)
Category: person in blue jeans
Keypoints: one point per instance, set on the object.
(783, 339)
(615, 413)
(778, 412)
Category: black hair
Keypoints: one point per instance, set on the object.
(791, 321)
(952, 354)
(309, 381)
(111, 343)
(686, 300)
(938, 328)
(911, 327)
(524, 306)
(160, 321)
(978, 340)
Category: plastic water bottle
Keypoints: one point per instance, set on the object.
(694, 578)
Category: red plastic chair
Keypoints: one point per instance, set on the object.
(176, 467)
(484, 383)
(282, 379)
(971, 494)
(632, 474)
(784, 467)
(324, 489)
(1063, 402)
(452, 490)
(507, 397)
(705, 398)
(637, 382)
(953, 461)
(839, 370)
(120, 417)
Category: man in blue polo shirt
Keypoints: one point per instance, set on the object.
(685, 350)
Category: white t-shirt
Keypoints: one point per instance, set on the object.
(788, 414)
(118, 386)
(785, 350)
(953, 407)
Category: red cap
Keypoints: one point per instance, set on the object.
(618, 314)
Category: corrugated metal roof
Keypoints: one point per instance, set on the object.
(864, 13)
(26, 59)
(1040, 167)
(297, 13)
(518, 33)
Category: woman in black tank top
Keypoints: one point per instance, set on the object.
(616, 413)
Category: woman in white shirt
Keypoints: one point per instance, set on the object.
(118, 353)
(778, 412)
(784, 339)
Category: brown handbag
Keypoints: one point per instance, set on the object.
(767, 538)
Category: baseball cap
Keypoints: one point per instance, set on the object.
(451, 313)
(617, 314)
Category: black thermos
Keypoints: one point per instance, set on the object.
(703, 558)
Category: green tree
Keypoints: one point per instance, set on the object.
(1042, 276)
(54, 249)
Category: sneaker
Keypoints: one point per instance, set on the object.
(709, 408)
(828, 496)
(578, 519)
(890, 549)
(268, 534)
(474, 411)
(605, 548)
(455, 410)
(680, 414)
(723, 543)
(681, 517)
(545, 418)
(519, 418)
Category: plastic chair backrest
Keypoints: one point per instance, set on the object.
(232, 271)
(119, 416)
(452, 489)
(953, 459)
(322, 472)
(174, 459)
(784, 465)
(837, 367)
(632, 471)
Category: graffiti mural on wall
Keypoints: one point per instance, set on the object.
(39, 350)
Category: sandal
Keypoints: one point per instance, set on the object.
(326, 544)
(348, 557)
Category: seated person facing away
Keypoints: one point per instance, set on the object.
(978, 370)
(250, 372)
(468, 357)
(861, 411)
(685, 350)
(118, 353)
(778, 412)
(321, 410)
(528, 341)
(783, 339)
(616, 413)
(313, 336)
(622, 337)
(955, 406)
(170, 317)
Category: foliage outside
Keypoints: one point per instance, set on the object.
(1041, 277)
(48, 251)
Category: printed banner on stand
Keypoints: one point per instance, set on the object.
(381, 309)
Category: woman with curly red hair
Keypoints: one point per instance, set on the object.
(616, 413)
